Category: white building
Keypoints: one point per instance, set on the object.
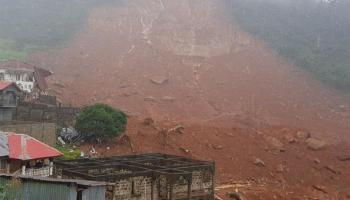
(29, 78)
(24, 78)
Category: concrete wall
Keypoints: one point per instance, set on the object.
(140, 188)
(63, 116)
(5, 114)
(45, 132)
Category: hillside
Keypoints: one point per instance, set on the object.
(184, 62)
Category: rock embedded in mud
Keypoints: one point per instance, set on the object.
(259, 162)
(234, 195)
(316, 144)
(168, 99)
(159, 80)
(150, 98)
(276, 144)
(303, 135)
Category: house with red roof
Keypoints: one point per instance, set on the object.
(10, 93)
(24, 155)
(28, 77)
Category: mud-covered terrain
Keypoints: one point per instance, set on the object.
(184, 63)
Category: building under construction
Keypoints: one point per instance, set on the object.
(146, 177)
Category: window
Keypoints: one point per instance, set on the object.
(2, 77)
(18, 77)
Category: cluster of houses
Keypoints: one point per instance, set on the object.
(40, 173)
(19, 81)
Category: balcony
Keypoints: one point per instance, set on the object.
(43, 172)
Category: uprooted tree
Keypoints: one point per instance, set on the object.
(99, 122)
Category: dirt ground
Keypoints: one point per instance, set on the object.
(184, 63)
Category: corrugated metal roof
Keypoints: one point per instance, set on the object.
(4, 147)
(6, 84)
(24, 147)
(58, 180)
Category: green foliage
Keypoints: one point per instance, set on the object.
(8, 51)
(9, 191)
(100, 121)
(312, 34)
(69, 153)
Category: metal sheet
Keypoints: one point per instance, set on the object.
(4, 148)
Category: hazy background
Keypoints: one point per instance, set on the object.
(313, 34)
(27, 25)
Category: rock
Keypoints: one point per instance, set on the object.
(317, 161)
(148, 121)
(259, 162)
(331, 169)
(315, 144)
(280, 168)
(217, 147)
(320, 188)
(278, 145)
(290, 138)
(344, 158)
(184, 150)
(149, 98)
(234, 195)
(178, 129)
(303, 135)
(168, 99)
(159, 80)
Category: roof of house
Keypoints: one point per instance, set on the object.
(24, 147)
(6, 84)
(58, 180)
(39, 73)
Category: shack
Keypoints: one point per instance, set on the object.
(39, 188)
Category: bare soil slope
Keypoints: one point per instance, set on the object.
(182, 62)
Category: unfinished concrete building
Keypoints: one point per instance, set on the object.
(146, 177)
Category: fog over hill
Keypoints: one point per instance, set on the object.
(313, 34)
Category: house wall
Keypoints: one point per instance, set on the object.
(140, 188)
(31, 189)
(5, 114)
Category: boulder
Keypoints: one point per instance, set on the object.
(159, 80)
(303, 135)
(275, 143)
(315, 144)
(168, 98)
(259, 162)
(149, 98)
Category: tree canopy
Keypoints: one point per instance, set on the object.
(100, 121)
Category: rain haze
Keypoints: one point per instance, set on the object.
(261, 87)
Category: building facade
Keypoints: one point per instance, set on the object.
(28, 78)
(9, 96)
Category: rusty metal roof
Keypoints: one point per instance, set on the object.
(24, 147)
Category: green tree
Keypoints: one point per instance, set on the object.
(99, 121)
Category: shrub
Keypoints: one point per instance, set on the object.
(99, 121)
(69, 152)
